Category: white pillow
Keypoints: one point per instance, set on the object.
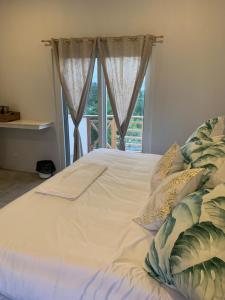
(172, 189)
(170, 162)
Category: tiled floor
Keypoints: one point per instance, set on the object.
(14, 184)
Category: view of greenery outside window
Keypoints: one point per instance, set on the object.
(135, 131)
(89, 126)
(91, 113)
(134, 134)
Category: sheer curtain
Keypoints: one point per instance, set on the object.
(124, 61)
(75, 59)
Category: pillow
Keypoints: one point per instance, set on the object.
(209, 155)
(170, 162)
(168, 194)
(209, 129)
(188, 251)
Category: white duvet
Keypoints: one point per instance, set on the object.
(89, 248)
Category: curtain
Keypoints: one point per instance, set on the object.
(124, 61)
(75, 59)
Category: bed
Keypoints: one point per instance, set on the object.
(88, 248)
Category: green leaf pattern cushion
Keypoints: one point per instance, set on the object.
(209, 155)
(209, 129)
(188, 252)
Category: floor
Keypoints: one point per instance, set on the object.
(15, 183)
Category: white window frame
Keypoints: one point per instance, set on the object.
(62, 116)
(59, 116)
(148, 108)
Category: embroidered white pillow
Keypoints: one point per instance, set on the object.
(170, 162)
(172, 189)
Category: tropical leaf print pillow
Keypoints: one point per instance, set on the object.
(188, 252)
(209, 155)
(209, 129)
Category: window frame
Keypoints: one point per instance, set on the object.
(102, 114)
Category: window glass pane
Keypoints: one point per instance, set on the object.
(91, 114)
(135, 130)
(134, 136)
(112, 135)
(89, 124)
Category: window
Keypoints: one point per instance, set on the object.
(98, 127)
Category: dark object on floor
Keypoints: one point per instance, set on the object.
(45, 168)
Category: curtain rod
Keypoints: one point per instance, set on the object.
(156, 39)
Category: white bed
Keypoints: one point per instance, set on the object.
(53, 248)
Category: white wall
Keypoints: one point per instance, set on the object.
(189, 68)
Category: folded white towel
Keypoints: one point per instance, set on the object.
(74, 181)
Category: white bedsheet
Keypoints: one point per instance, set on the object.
(55, 249)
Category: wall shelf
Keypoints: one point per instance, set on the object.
(26, 124)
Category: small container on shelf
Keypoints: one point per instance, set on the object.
(8, 116)
(4, 109)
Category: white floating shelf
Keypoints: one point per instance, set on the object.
(26, 124)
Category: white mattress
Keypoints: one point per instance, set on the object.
(55, 249)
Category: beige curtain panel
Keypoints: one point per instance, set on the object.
(75, 59)
(124, 61)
